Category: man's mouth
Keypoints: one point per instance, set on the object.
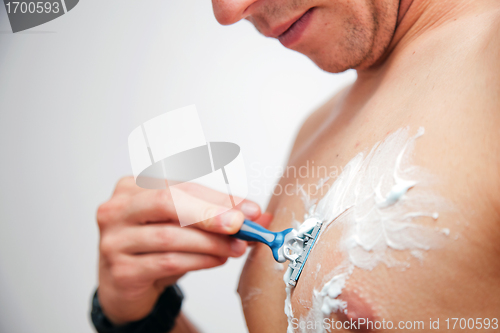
(291, 31)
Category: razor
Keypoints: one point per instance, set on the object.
(294, 246)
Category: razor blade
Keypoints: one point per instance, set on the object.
(294, 246)
(297, 262)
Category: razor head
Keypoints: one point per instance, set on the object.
(290, 248)
(307, 243)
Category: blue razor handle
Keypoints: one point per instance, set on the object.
(253, 232)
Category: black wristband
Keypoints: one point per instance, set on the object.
(160, 320)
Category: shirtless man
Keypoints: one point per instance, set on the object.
(421, 63)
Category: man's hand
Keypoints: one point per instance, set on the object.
(143, 249)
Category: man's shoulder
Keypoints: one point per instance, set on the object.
(315, 121)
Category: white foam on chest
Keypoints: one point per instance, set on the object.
(380, 196)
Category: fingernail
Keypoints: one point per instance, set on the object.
(229, 218)
(249, 209)
(238, 247)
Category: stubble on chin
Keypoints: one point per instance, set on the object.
(362, 43)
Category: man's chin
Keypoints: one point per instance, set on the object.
(337, 63)
(333, 68)
(329, 64)
(329, 61)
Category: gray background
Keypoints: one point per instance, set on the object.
(72, 90)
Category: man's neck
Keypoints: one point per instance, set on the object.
(418, 18)
(404, 5)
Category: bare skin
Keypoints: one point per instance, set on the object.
(449, 88)
(431, 63)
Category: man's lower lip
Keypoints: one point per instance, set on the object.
(296, 30)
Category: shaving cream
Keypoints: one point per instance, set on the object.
(380, 196)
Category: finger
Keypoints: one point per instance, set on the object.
(167, 237)
(163, 265)
(150, 206)
(127, 185)
(158, 206)
(205, 215)
(250, 209)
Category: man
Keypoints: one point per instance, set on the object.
(420, 63)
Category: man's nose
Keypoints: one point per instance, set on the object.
(231, 11)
